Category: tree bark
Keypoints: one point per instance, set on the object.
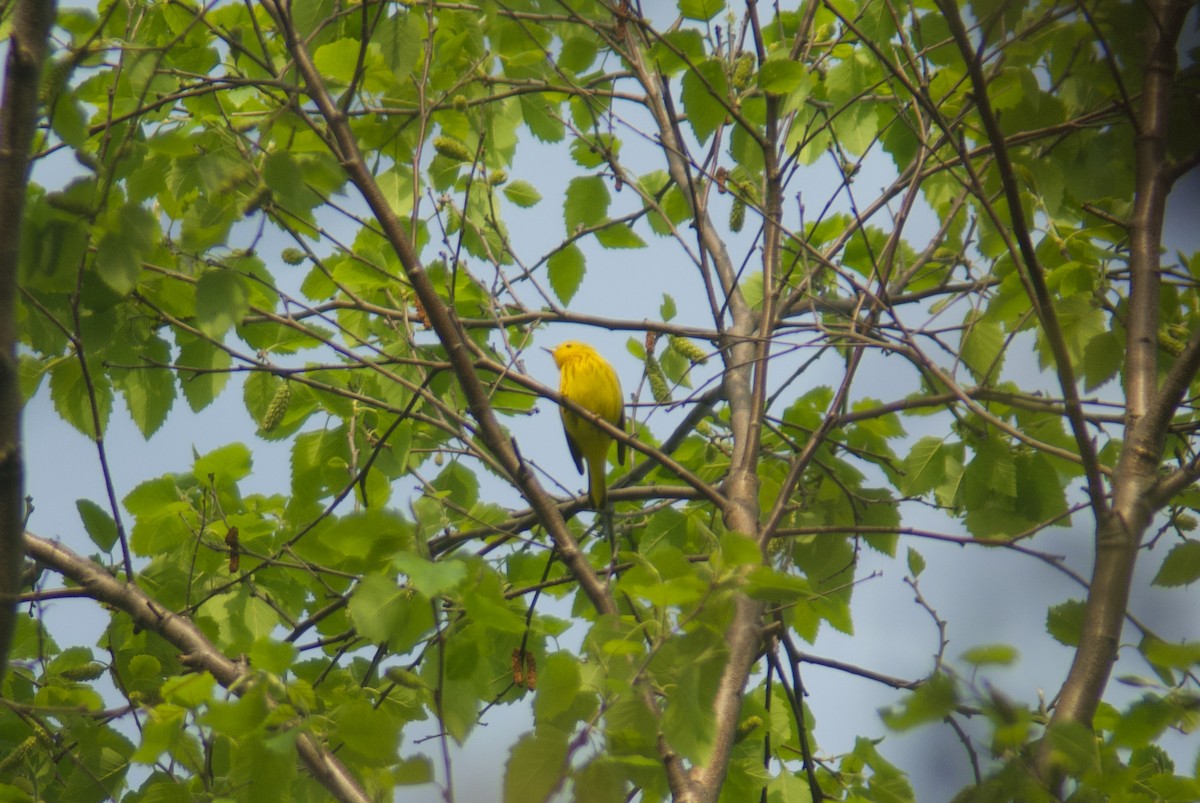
(18, 122)
(1134, 502)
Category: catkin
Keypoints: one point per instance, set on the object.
(278, 406)
(743, 71)
(688, 349)
(18, 754)
(747, 727)
(89, 671)
(658, 380)
(451, 149)
(737, 214)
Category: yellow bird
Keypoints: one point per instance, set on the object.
(590, 381)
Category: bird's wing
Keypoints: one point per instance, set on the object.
(576, 455)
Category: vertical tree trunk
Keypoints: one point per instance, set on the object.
(1120, 532)
(18, 122)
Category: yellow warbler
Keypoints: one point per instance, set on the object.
(589, 381)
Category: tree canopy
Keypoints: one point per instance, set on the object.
(871, 264)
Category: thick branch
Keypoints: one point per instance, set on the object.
(1119, 534)
(742, 356)
(198, 652)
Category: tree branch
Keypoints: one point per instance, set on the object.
(198, 652)
(1119, 534)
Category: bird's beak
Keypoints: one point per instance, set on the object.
(548, 351)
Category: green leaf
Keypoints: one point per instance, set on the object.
(1073, 747)
(769, 585)
(991, 472)
(577, 54)
(237, 716)
(257, 392)
(537, 765)
(702, 10)
(780, 76)
(429, 578)
(660, 586)
(1168, 655)
(223, 466)
(150, 391)
(619, 235)
(931, 702)
(209, 366)
(100, 526)
(263, 769)
(705, 92)
(69, 120)
(74, 396)
(221, 302)
(412, 771)
(189, 691)
(887, 784)
(338, 60)
(789, 788)
(370, 732)
(566, 269)
(924, 467)
(522, 194)
(163, 516)
(458, 482)
(31, 371)
(161, 729)
(272, 656)
(590, 153)
(982, 348)
(667, 308)
(674, 49)
(1181, 566)
(586, 203)
(991, 654)
(1065, 622)
(1040, 494)
(601, 780)
(387, 614)
(119, 253)
(293, 179)
(248, 617)
(485, 603)
(542, 118)
(916, 563)
(1143, 723)
(558, 685)
(1081, 322)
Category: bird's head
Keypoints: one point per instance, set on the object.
(570, 350)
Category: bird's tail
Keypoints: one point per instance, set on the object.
(598, 479)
